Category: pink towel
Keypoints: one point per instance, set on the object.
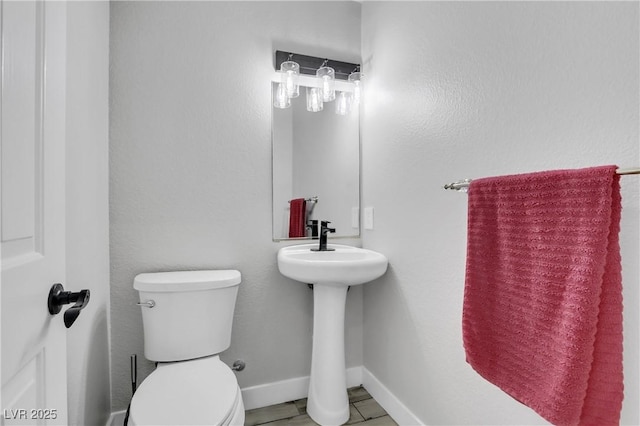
(542, 307)
(297, 216)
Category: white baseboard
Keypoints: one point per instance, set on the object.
(392, 405)
(288, 390)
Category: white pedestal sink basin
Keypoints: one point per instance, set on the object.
(331, 273)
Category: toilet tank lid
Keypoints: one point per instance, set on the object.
(186, 280)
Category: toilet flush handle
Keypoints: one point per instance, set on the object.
(147, 304)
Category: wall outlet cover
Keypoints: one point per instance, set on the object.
(368, 218)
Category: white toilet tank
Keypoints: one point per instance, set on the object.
(192, 312)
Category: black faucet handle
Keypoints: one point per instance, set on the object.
(324, 224)
(324, 229)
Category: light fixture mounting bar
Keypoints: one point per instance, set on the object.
(310, 64)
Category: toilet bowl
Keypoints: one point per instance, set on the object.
(187, 318)
(198, 392)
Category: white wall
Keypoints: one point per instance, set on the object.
(469, 89)
(190, 153)
(87, 209)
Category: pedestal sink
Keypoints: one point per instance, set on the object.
(331, 273)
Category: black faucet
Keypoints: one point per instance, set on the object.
(324, 230)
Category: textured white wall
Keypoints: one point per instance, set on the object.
(87, 168)
(472, 89)
(190, 154)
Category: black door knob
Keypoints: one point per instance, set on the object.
(58, 298)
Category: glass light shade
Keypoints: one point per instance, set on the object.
(290, 72)
(314, 99)
(356, 79)
(343, 103)
(327, 76)
(280, 98)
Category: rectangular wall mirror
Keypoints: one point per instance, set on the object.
(316, 154)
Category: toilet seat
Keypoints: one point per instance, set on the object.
(197, 392)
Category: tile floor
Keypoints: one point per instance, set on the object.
(365, 411)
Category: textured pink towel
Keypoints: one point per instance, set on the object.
(542, 308)
(297, 217)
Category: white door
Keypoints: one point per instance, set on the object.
(33, 345)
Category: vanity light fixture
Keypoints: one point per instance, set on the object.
(280, 98)
(290, 71)
(343, 103)
(327, 77)
(356, 79)
(314, 99)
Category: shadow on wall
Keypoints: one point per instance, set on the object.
(381, 296)
(96, 403)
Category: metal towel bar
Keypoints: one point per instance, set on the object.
(463, 185)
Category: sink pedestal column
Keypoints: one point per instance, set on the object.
(328, 403)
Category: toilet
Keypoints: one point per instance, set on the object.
(187, 318)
